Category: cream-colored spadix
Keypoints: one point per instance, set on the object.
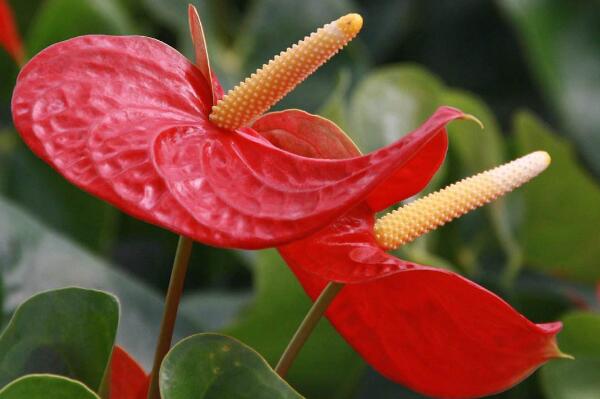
(268, 85)
(434, 210)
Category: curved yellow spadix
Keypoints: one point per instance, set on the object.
(434, 210)
(274, 80)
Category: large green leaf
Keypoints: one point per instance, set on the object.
(278, 309)
(34, 258)
(471, 151)
(217, 366)
(560, 230)
(580, 378)
(562, 40)
(45, 386)
(389, 103)
(58, 20)
(70, 331)
(63, 206)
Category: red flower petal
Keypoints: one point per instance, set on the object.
(434, 331)
(345, 251)
(202, 60)
(9, 36)
(312, 136)
(275, 195)
(128, 380)
(415, 174)
(125, 118)
(305, 134)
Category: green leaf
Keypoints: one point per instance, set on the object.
(471, 151)
(579, 378)
(69, 331)
(562, 40)
(281, 300)
(334, 108)
(59, 20)
(88, 220)
(34, 258)
(561, 219)
(389, 103)
(45, 386)
(217, 366)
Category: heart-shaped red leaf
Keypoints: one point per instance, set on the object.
(125, 118)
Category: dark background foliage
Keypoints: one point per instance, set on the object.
(529, 69)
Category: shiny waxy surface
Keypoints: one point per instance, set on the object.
(429, 329)
(126, 119)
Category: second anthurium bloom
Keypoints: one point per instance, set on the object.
(132, 121)
(10, 39)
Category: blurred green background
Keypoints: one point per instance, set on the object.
(529, 69)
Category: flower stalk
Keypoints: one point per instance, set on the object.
(307, 326)
(167, 325)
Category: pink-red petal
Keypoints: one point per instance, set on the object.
(436, 332)
(274, 196)
(128, 380)
(202, 60)
(312, 136)
(345, 251)
(305, 134)
(126, 119)
(10, 39)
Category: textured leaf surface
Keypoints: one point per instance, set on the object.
(128, 380)
(46, 386)
(68, 331)
(578, 378)
(560, 233)
(125, 118)
(216, 366)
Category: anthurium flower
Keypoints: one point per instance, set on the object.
(128, 380)
(130, 120)
(429, 329)
(9, 35)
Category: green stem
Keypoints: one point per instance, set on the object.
(167, 325)
(307, 326)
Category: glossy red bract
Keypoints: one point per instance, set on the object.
(126, 119)
(429, 329)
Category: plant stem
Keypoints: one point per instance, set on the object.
(167, 325)
(307, 326)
